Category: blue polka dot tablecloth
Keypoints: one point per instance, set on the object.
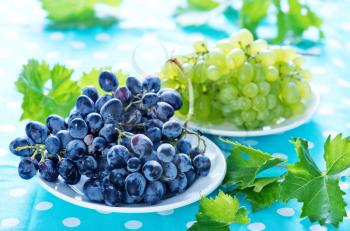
(151, 35)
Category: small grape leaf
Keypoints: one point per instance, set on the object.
(243, 165)
(46, 91)
(203, 4)
(219, 213)
(319, 191)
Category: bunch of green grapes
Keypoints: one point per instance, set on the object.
(240, 80)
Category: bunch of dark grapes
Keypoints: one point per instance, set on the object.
(123, 145)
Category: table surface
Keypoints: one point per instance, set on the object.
(24, 205)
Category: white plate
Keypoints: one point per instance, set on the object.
(228, 129)
(203, 186)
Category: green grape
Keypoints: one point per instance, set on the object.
(227, 94)
(235, 58)
(290, 93)
(304, 89)
(250, 90)
(263, 115)
(170, 70)
(265, 57)
(244, 103)
(298, 60)
(298, 108)
(286, 68)
(245, 73)
(278, 111)
(257, 46)
(259, 103)
(287, 112)
(244, 37)
(248, 115)
(216, 57)
(187, 69)
(264, 88)
(251, 125)
(200, 46)
(271, 101)
(213, 73)
(224, 45)
(307, 74)
(288, 54)
(237, 120)
(259, 73)
(271, 74)
(200, 72)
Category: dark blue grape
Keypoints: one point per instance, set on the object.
(127, 199)
(102, 163)
(84, 105)
(183, 162)
(98, 144)
(134, 85)
(151, 84)
(154, 192)
(172, 129)
(26, 169)
(133, 164)
(101, 101)
(91, 92)
(141, 145)
(37, 132)
(149, 100)
(22, 142)
(126, 140)
(88, 140)
(202, 165)
(171, 97)
(169, 172)
(94, 122)
(135, 184)
(90, 163)
(191, 177)
(64, 137)
(152, 170)
(146, 158)
(74, 114)
(93, 190)
(124, 95)
(161, 91)
(112, 196)
(69, 171)
(117, 177)
(154, 134)
(153, 123)
(78, 129)
(48, 170)
(108, 81)
(164, 111)
(195, 152)
(55, 123)
(76, 149)
(132, 116)
(111, 111)
(179, 184)
(117, 156)
(166, 152)
(109, 133)
(184, 146)
(53, 145)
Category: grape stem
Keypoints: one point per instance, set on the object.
(24, 147)
(309, 53)
(199, 137)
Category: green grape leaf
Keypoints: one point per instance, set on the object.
(244, 163)
(219, 213)
(203, 4)
(46, 90)
(77, 13)
(263, 192)
(319, 191)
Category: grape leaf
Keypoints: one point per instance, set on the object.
(77, 13)
(244, 163)
(203, 4)
(318, 190)
(219, 213)
(46, 90)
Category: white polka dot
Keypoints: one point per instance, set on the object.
(344, 185)
(189, 224)
(318, 228)
(286, 212)
(103, 212)
(78, 44)
(339, 63)
(329, 133)
(9, 222)
(280, 155)
(326, 110)
(250, 142)
(102, 37)
(71, 222)
(17, 192)
(42, 206)
(311, 145)
(345, 101)
(79, 198)
(99, 55)
(166, 212)
(73, 63)
(3, 152)
(52, 54)
(133, 224)
(125, 47)
(343, 83)
(56, 36)
(258, 226)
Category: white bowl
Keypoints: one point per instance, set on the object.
(228, 129)
(201, 187)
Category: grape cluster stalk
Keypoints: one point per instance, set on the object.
(124, 144)
(241, 81)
